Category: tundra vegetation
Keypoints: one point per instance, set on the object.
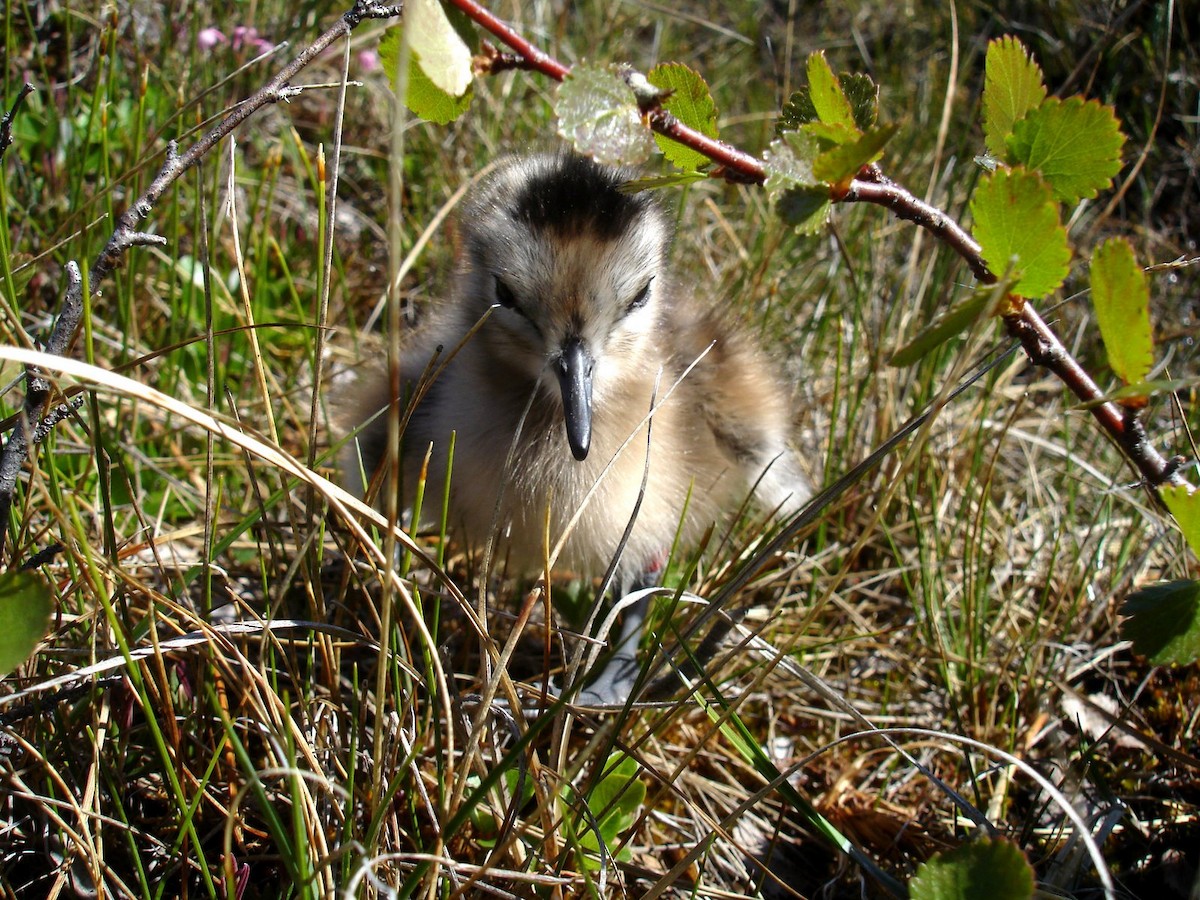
(968, 235)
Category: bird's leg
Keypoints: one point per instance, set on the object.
(615, 683)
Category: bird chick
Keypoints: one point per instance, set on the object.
(583, 332)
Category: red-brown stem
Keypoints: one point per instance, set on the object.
(537, 59)
(735, 165)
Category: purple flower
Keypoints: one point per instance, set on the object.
(368, 61)
(247, 36)
(209, 38)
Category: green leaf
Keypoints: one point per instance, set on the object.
(1143, 390)
(598, 113)
(389, 53)
(1164, 622)
(802, 200)
(25, 607)
(1012, 87)
(1122, 301)
(863, 95)
(831, 135)
(655, 182)
(1185, 507)
(798, 110)
(806, 208)
(842, 163)
(422, 96)
(956, 319)
(612, 806)
(1016, 224)
(859, 92)
(615, 801)
(691, 103)
(984, 869)
(828, 99)
(1074, 144)
(444, 56)
(429, 101)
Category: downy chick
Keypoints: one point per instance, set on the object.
(583, 330)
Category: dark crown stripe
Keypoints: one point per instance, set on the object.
(574, 195)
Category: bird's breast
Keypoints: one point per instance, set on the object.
(519, 480)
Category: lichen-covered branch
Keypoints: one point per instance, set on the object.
(7, 120)
(37, 393)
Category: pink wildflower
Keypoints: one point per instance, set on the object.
(209, 38)
(368, 61)
(247, 36)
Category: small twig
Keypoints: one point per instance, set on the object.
(6, 138)
(492, 61)
(1043, 348)
(536, 59)
(877, 189)
(53, 416)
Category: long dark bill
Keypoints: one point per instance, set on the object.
(575, 380)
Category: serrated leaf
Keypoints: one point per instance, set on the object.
(805, 208)
(1075, 144)
(389, 53)
(598, 114)
(828, 99)
(1164, 622)
(1012, 87)
(800, 199)
(1017, 225)
(430, 102)
(1143, 390)
(957, 319)
(656, 182)
(842, 163)
(691, 103)
(863, 95)
(1122, 300)
(831, 135)
(1185, 507)
(789, 161)
(798, 110)
(25, 608)
(984, 869)
(444, 56)
(422, 96)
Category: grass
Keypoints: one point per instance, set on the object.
(334, 740)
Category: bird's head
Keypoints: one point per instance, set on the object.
(574, 270)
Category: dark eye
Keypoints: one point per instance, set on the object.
(506, 298)
(504, 295)
(640, 298)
